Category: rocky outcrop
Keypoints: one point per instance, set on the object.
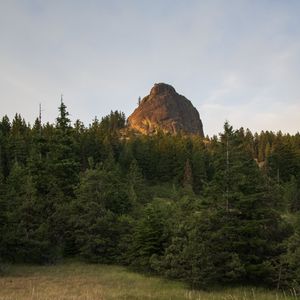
(165, 110)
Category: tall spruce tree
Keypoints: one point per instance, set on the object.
(151, 235)
(3, 220)
(94, 215)
(237, 236)
(63, 167)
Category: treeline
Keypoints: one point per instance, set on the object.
(206, 211)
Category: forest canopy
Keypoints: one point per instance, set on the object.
(213, 210)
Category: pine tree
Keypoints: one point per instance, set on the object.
(3, 220)
(292, 195)
(237, 236)
(136, 185)
(19, 140)
(283, 162)
(188, 176)
(5, 128)
(62, 159)
(62, 121)
(200, 169)
(151, 235)
(93, 222)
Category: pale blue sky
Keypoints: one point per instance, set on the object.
(236, 60)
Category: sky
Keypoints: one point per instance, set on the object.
(236, 60)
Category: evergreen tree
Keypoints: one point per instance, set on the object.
(63, 161)
(68, 190)
(94, 218)
(137, 188)
(62, 121)
(289, 271)
(188, 176)
(3, 220)
(19, 140)
(237, 236)
(292, 195)
(200, 166)
(151, 235)
(5, 128)
(27, 230)
(283, 162)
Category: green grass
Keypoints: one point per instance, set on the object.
(79, 281)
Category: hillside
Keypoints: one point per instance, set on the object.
(201, 212)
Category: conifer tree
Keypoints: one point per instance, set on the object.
(237, 236)
(151, 235)
(63, 162)
(92, 219)
(187, 176)
(137, 192)
(5, 128)
(3, 220)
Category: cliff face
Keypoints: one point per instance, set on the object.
(164, 109)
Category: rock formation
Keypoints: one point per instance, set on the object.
(165, 110)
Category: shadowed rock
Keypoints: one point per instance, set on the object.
(165, 110)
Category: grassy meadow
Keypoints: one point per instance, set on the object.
(79, 281)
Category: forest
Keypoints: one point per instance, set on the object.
(219, 210)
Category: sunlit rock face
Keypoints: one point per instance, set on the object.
(165, 110)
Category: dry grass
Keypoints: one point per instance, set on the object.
(78, 281)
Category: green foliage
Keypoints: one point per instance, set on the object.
(62, 121)
(204, 211)
(188, 176)
(289, 272)
(236, 234)
(283, 161)
(3, 220)
(101, 199)
(27, 230)
(113, 122)
(292, 195)
(151, 234)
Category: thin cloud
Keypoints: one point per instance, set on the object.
(236, 60)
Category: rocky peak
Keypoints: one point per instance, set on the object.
(162, 88)
(165, 110)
